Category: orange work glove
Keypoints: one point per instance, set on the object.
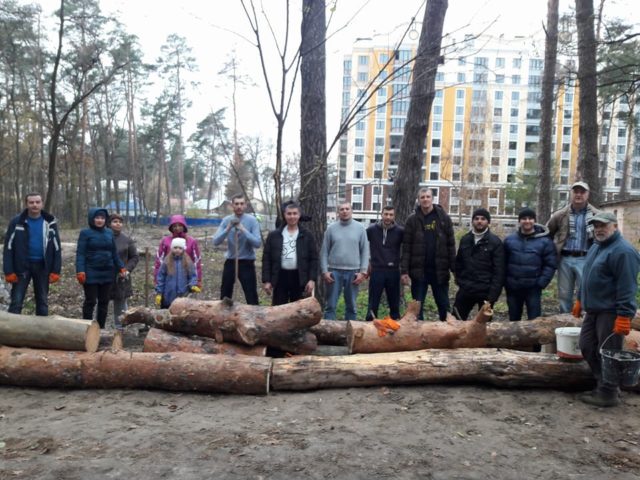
(577, 309)
(11, 278)
(81, 277)
(622, 326)
(53, 277)
(387, 325)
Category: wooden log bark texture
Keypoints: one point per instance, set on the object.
(54, 332)
(176, 371)
(362, 337)
(502, 368)
(158, 340)
(330, 332)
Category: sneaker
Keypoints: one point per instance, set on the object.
(598, 399)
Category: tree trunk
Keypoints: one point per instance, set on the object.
(417, 335)
(330, 332)
(163, 371)
(588, 98)
(282, 326)
(55, 332)
(502, 368)
(546, 105)
(161, 341)
(313, 127)
(423, 86)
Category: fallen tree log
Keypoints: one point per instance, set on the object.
(158, 340)
(330, 332)
(502, 368)
(177, 371)
(363, 337)
(54, 332)
(282, 326)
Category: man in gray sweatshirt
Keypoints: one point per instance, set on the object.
(344, 259)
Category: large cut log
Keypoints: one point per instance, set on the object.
(330, 332)
(118, 369)
(158, 340)
(503, 368)
(527, 333)
(55, 332)
(362, 337)
(282, 326)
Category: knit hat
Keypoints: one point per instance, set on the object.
(481, 212)
(179, 242)
(115, 216)
(527, 212)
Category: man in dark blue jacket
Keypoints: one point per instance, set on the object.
(479, 266)
(385, 243)
(608, 296)
(32, 251)
(531, 260)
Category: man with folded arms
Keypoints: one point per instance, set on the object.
(608, 296)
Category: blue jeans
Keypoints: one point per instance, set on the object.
(38, 272)
(516, 299)
(569, 278)
(388, 281)
(440, 293)
(343, 279)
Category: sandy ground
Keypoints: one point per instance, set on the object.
(430, 432)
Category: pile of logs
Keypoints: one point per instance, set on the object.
(221, 346)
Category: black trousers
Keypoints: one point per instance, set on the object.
(465, 303)
(596, 327)
(247, 277)
(288, 288)
(99, 292)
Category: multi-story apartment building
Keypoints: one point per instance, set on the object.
(483, 136)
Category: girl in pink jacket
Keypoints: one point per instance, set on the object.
(178, 229)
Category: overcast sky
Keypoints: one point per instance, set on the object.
(214, 29)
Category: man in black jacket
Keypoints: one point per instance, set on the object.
(32, 252)
(289, 260)
(385, 242)
(428, 252)
(479, 266)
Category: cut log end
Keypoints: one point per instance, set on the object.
(92, 338)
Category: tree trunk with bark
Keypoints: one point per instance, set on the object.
(546, 106)
(588, 100)
(177, 371)
(423, 90)
(55, 332)
(158, 340)
(283, 326)
(330, 332)
(363, 337)
(502, 368)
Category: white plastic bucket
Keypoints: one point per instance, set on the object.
(567, 339)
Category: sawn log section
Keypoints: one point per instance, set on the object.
(161, 341)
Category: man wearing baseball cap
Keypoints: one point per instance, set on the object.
(572, 235)
(608, 296)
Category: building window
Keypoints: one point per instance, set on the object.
(358, 158)
(514, 112)
(363, 60)
(461, 61)
(379, 142)
(513, 129)
(515, 79)
(379, 124)
(439, 77)
(363, 76)
(359, 142)
(360, 126)
(461, 78)
(495, 177)
(511, 178)
(384, 58)
(497, 112)
(536, 64)
(499, 78)
(480, 78)
(481, 61)
(515, 96)
(435, 143)
(511, 162)
(497, 128)
(434, 175)
(437, 109)
(435, 159)
(459, 110)
(460, 94)
(516, 63)
(499, 62)
(458, 143)
(437, 126)
(513, 145)
(498, 95)
(566, 131)
(357, 174)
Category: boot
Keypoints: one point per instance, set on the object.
(600, 399)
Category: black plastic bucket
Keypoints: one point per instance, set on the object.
(619, 367)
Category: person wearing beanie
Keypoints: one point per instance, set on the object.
(531, 260)
(177, 276)
(479, 269)
(178, 229)
(242, 233)
(121, 288)
(572, 234)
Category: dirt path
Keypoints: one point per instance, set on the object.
(434, 432)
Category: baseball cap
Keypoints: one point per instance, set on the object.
(604, 217)
(584, 185)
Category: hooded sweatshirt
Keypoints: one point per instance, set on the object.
(193, 250)
(96, 254)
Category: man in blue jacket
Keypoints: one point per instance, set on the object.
(531, 260)
(608, 296)
(32, 251)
